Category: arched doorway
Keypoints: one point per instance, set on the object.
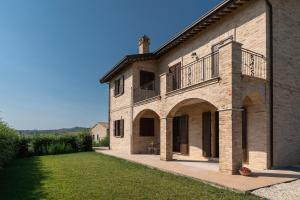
(195, 134)
(254, 132)
(146, 133)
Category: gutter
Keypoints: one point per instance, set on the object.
(270, 8)
(205, 16)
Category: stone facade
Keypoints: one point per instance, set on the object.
(230, 93)
(99, 131)
(286, 26)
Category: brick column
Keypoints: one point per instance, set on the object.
(163, 85)
(230, 114)
(166, 125)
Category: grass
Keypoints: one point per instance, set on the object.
(95, 176)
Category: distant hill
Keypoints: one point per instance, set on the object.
(54, 131)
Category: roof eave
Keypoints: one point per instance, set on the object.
(222, 9)
(125, 61)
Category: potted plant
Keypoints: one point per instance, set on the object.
(244, 171)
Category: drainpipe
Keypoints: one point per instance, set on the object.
(270, 9)
(109, 129)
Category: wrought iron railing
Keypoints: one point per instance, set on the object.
(145, 91)
(201, 70)
(253, 64)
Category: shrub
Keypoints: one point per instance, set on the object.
(40, 143)
(59, 148)
(12, 145)
(23, 147)
(85, 142)
(8, 142)
(45, 144)
(104, 142)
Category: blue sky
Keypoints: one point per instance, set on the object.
(53, 52)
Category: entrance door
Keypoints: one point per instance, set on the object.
(206, 134)
(180, 134)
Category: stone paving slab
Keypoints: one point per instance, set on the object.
(207, 172)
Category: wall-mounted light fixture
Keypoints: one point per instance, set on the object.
(195, 56)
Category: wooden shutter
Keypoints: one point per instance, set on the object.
(206, 134)
(121, 85)
(116, 87)
(245, 136)
(184, 134)
(115, 128)
(122, 127)
(217, 134)
(176, 76)
(176, 135)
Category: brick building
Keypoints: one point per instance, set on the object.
(226, 88)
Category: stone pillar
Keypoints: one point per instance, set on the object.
(166, 125)
(230, 114)
(163, 85)
(230, 125)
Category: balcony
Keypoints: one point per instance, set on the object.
(201, 70)
(145, 92)
(253, 64)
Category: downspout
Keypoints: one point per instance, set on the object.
(270, 9)
(109, 129)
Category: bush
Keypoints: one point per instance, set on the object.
(85, 142)
(104, 142)
(8, 143)
(59, 148)
(12, 145)
(23, 147)
(57, 144)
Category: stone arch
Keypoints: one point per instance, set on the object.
(142, 142)
(252, 98)
(145, 112)
(201, 133)
(186, 102)
(255, 131)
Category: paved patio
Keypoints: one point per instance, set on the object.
(208, 172)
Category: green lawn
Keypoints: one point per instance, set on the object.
(91, 176)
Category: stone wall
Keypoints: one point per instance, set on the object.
(99, 130)
(286, 26)
(247, 26)
(121, 108)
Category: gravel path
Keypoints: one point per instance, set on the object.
(284, 191)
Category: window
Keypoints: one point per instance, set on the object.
(147, 127)
(119, 128)
(147, 80)
(119, 86)
(97, 137)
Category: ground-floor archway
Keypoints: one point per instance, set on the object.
(254, 132)
(146, 133)
(194, 132)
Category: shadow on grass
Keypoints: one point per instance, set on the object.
(22, 179)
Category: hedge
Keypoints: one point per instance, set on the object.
(13, 145)
(58, 144)
(8, 144)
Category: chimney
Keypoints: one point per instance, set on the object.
(144, 43)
